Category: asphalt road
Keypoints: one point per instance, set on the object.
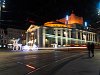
(82, 66)
(33, 62)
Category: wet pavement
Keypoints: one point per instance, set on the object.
(33, 62)
(82, 66)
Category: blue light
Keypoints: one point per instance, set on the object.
(2, 3)
(85, 24)
(98, 8)
(98, 5)
(66, 17)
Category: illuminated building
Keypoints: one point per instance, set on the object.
(3, 38)
(15, 34)
(60, 33)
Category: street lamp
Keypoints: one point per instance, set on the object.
(86, 28)
(98, 8)
(66, 19)
(2, 5)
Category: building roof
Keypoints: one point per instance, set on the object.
(72, 19)
(32, 28)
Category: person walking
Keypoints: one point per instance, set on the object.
(90, 47)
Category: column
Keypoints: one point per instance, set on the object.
(0, 12)
(86, 33)
(94, 37)
(56, 36)
(66, 36)
(76, 36)
(27, 38)
(87, 36)
(90, 36)
(44, 37)
(61, 33)
(81, 36)
(70, 36)
(38, 37)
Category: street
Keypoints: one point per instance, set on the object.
(82, 66)
(33, 62)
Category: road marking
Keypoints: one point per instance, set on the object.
(54, 62)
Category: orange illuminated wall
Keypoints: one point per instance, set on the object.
(73, 19)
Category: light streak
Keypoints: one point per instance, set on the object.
(62, 48)
(31, 67)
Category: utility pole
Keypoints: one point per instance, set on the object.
(2, 5)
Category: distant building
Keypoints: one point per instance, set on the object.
(62, 36)
(61, 32)
(15, 34)
(3, 38)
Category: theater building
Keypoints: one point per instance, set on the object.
(61, 32)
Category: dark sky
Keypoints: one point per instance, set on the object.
(40, 11)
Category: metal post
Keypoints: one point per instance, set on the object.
(0, 12)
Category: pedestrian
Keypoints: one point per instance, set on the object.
(90, 47)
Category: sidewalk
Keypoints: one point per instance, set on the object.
(82, 66)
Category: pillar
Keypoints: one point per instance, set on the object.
(56, 36)
(38, 38)
(61, 33)
(90, 36)
(95, 37)
(44, 37)
(81, 36)
(70, 36)
(66, 36)
(27, 39)
(76, 36)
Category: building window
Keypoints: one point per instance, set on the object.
(1, 41)
(4, 41)
(58, 34)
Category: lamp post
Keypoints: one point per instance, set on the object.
(2, 5)
(65, 33)
(98, 8)
(85, 36)
(66, 19)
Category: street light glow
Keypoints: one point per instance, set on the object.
(67, 17)
(85, 24)
(2, 3)
(98, 8)
(3, 6)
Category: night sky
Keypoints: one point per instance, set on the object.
(18, 12)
